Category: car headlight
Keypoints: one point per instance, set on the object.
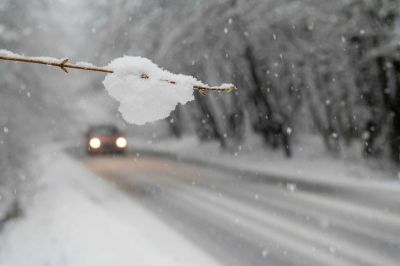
(121, 142)
(94, 143)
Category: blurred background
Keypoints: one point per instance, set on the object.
(326, 69)
(316, 79)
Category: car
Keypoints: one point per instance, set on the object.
(102, 139)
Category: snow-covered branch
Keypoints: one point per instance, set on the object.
(64, 64)
(145, 91)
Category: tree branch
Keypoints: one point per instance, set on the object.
(64, 65)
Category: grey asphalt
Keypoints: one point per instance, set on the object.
(242, 218)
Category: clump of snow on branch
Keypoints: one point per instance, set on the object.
(145, 91)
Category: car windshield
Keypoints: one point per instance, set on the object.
(104, 130)
(200, 132)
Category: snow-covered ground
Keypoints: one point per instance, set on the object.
(76, 218)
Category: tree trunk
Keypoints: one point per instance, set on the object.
(395, 104)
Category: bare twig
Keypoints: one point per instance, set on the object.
(64, 65)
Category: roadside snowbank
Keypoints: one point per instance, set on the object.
(311, 163)
(76, 218)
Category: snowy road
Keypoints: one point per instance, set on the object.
(261, 220)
